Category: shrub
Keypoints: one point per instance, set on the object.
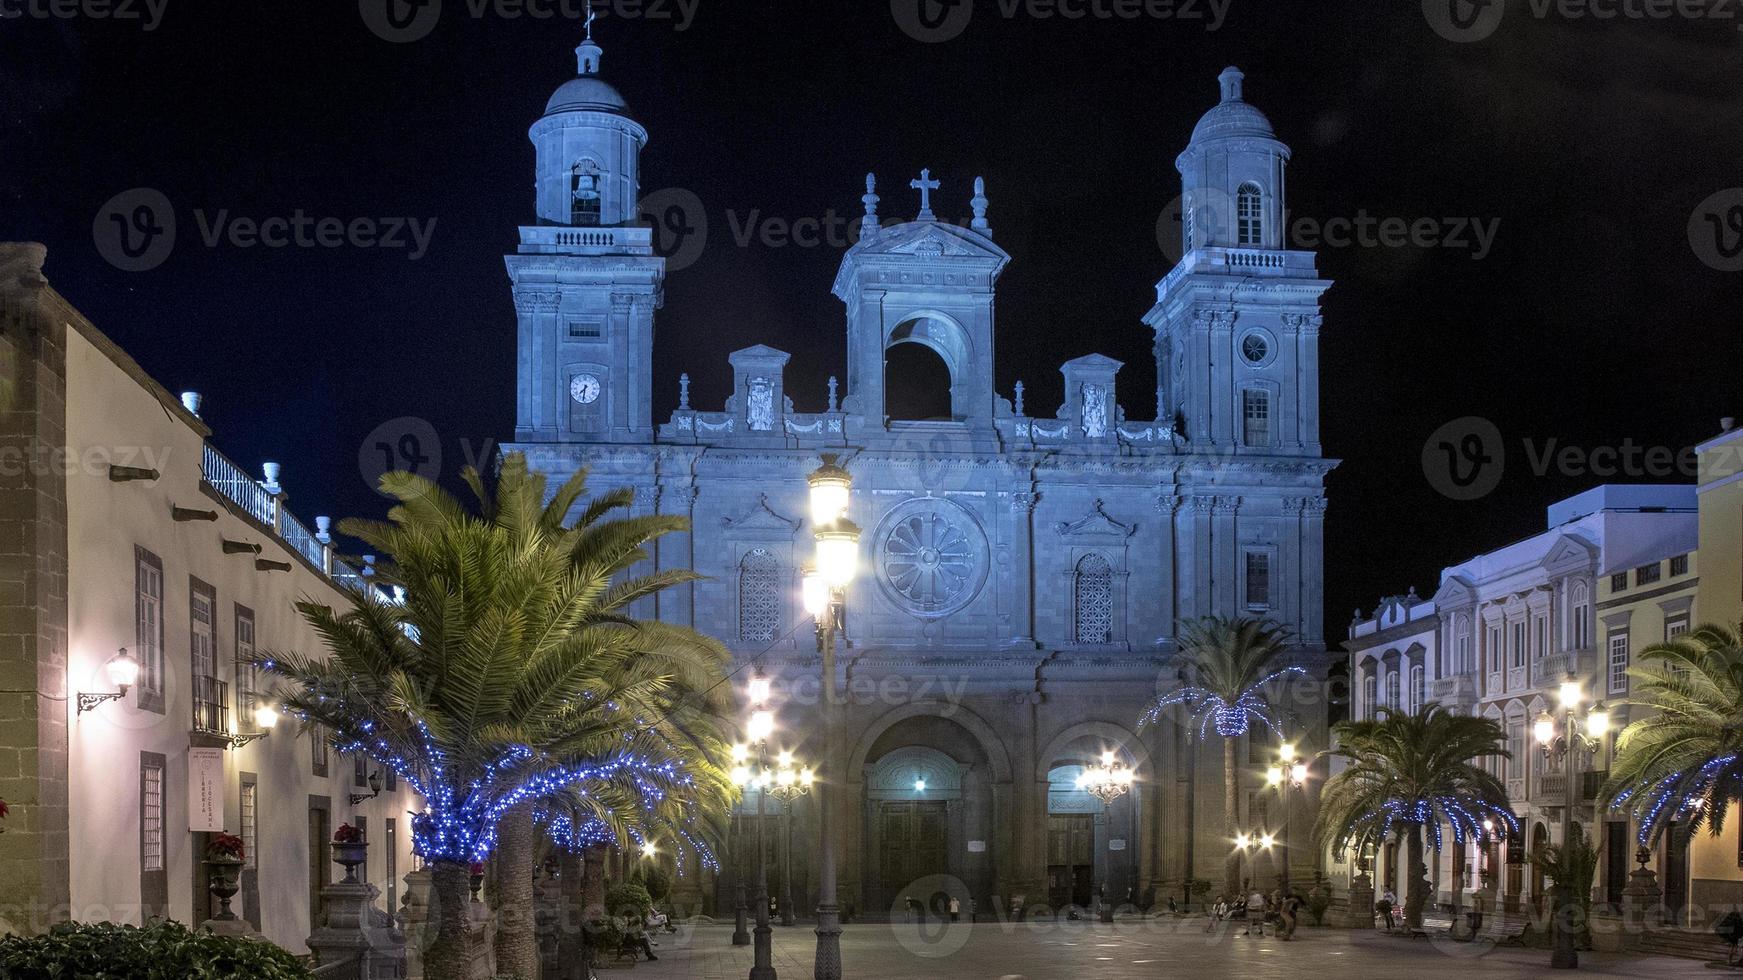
(603, 936)
(658, 884)
(1318, 901)
(628, 899)
(160, 951)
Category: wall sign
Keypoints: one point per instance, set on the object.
(977, 847)
(1117, 844)
(205, 790)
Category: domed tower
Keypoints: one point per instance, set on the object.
(1237, 320)
(586, 279)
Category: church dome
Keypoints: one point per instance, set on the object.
(1232, 117)
(586, 93)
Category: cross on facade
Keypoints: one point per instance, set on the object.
(925, 185)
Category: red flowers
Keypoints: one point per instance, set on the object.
(478, 869)
(224, 845)
(4, 809)
(347, 834)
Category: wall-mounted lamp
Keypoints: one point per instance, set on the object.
(123, 671)
(265, 719)
(374, 789)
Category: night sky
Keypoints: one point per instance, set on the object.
(1592, 321)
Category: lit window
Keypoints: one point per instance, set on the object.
(1258, 580)
(1093, 598)
(1619, 662)
(759, 597)
(151, 817)
(250, 827)
(1256, 417)
(1249, 217)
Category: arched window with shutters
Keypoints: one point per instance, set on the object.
(1249, 215)
(759, 597)
(1093, 600)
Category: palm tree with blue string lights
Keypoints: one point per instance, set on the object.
(511, 672)
(1413, 775)
(1231, 665)
(1682, 765)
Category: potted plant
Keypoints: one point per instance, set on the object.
(225, 855)
(349, 850)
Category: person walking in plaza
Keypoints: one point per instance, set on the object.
(1256, 914)
(1288, 914)
(1218, 912)
(1388, 902)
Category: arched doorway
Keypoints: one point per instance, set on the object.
(928, 817)
(1539, 841)
(916, 384)
(1092, 846)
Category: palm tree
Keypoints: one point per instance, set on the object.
(1408, 772)
(1683, 764)
(509, 673)
(1232, 661)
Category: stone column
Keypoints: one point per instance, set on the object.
(354, 930)
(414, 920)
(34, 851)
(677, 605)
(1022, 576)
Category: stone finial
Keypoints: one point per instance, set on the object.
(324, 530)
(1019, 405)
(979, 204)
(191, 402)
(869, 226)
(834, 405)
(368, 566)
(683, 392)
(1230, 80)
(271, 471)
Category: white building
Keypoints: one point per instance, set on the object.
(1499, 637)
(124, 528)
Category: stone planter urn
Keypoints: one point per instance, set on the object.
(224, 880)
(348, 855)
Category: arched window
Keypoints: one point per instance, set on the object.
(1249, 217)
(759, 597)
(1418, 688)
(585, 198)
(1392, 699)
(1256, 417)
(1370, 691)
(1093, 599)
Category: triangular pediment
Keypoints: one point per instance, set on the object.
(759, 352)
(1095, 524)
(930, 239)
(760, 519)
(1454, 591)
(1569, 553)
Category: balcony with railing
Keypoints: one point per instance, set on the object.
(262, 500)
(211, 706)
(1551, 788)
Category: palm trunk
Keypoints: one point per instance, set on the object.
(1231, 817)
(449, 956)
(569, 922)
(517, 941)
(1416, 889)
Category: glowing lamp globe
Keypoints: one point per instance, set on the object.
(1544, 729)
(813, 590)
(123, 670)
(758, 689)
(807, 776)
(649, 850)
(1274, 775)
(265, 715)
(762, 725)
(1267, 840)
(1570, 694)
(831, 488)
(838, 552)
(1242, 840)
(1598, 722)
(1286, 752)
(741, 776)
(1298, 772)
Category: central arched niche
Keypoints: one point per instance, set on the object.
(916, 840)
(906, 394)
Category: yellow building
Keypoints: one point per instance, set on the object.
(1716, 863)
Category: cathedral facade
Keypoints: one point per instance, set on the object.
(1023, 576)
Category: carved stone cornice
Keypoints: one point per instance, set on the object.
(536, 301)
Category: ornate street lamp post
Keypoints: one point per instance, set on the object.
(787, 783)
(761, 726)
(1289, 773)
(1563, 743)
(825, 596)
(1107, 782)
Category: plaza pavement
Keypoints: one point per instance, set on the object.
(1129, 948)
